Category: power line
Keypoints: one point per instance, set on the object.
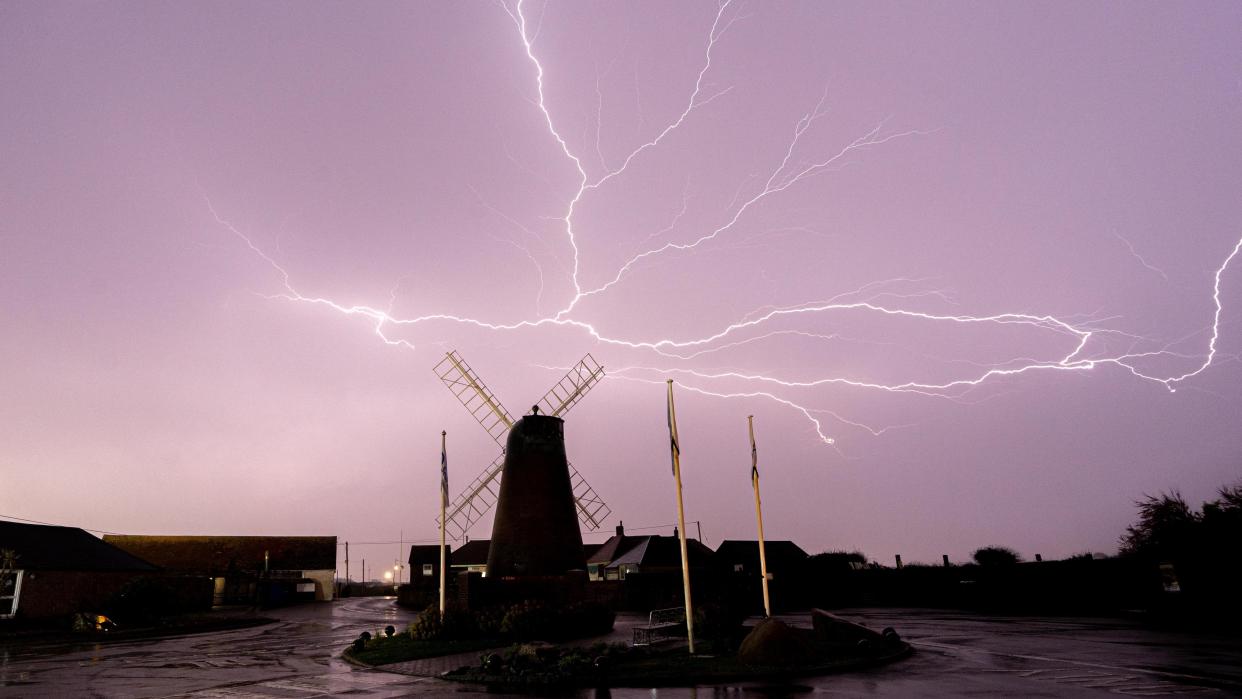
(51, 524)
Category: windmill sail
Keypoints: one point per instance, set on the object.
(566, 393)
(472, 393)
(591, 508)
(475, 501)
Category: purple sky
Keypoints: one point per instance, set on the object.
(163, 166)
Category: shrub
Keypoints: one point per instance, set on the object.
(535, 664)
(524, 621)
(143, 599)
(995, 556)
(528, 620)
(1166, 526)
(427, 627)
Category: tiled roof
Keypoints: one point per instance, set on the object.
(429, 553)
(44, 547)
(471, 553)
(779, 554)
(214, 554)
(650, 552)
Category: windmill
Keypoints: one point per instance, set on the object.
(482, 493)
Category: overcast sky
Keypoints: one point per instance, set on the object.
(984, 239)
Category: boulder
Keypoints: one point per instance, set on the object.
(772, 643)
(832, 629)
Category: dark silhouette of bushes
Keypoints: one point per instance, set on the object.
(1198, 549)
(1166, 527)
(524, 621)
(996, 556)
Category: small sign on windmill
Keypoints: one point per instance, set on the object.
(483, 492)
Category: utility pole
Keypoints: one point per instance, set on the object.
(346, 562)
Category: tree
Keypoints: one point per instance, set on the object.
(1165, 528)
(1222, 519)
(996, 556)
(1228, 505)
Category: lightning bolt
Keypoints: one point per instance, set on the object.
(1135, 255)
(1085, 339)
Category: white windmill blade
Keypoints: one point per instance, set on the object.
(563, 395)
(592, 510)
(566, 393)
(459, 378)
(474, 502)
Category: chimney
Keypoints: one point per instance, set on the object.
(620, 528)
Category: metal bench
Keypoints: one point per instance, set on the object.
(660, 626)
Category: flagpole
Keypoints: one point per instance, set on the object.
(443, 508)
(681, 516)
(754, 479)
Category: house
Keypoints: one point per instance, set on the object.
(789, 580)
(784, 558)
(270, 570)
(425, 563)
(623, 555)
(470, 558)
(57, 571)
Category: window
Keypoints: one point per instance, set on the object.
(737, 567)
(10, 592)
(429, 569)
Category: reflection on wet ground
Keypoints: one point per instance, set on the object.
(959, 655)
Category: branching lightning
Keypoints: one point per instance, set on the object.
(1082, 341)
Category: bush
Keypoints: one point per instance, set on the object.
(996, 556)
(1166, 527)
(143, 599)
(838, 561)
(525, 621)
(535, 664)
(528, 620)
(427, 626)
(532, 620)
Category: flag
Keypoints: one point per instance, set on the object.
(443, 473)
(754, 453)
(672, 428)
(754, 462)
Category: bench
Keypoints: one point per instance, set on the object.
(660, 626)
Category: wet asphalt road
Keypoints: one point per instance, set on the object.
(958, 655)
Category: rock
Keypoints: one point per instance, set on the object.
(832, 629)
(773, 643)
